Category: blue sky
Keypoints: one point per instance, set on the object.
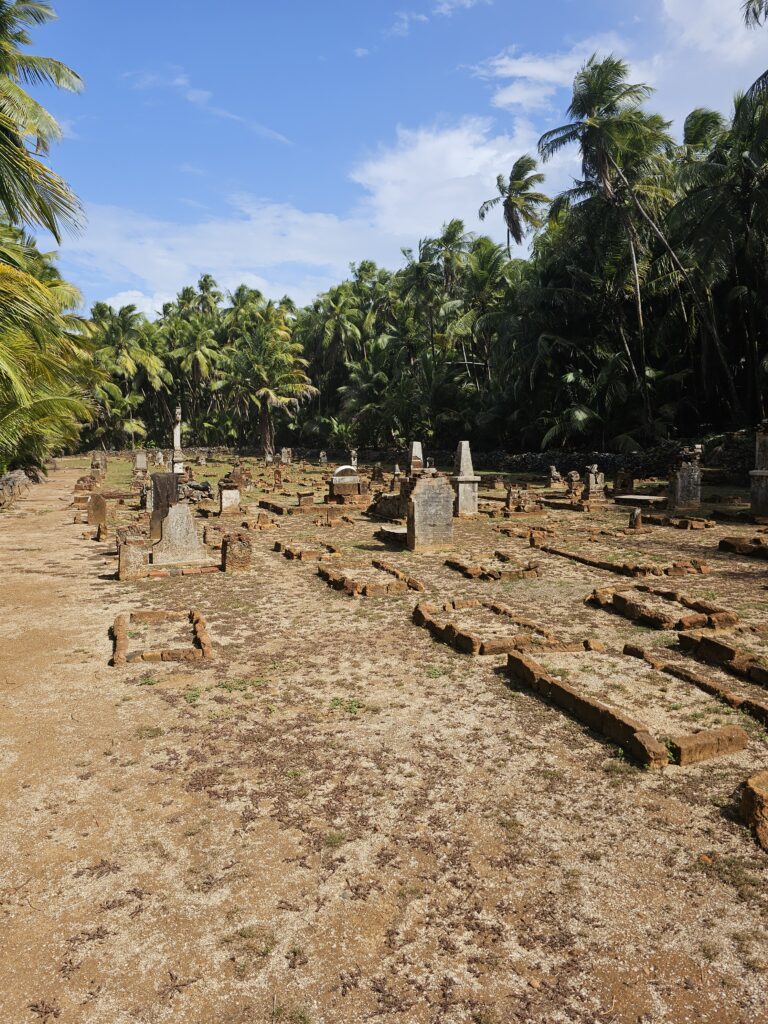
(276, 141)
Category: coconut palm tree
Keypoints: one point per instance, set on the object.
(520, 203)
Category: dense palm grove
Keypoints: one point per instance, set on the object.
(641, 312)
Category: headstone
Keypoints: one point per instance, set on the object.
(179, 543)
(156, 525)
(236, 552)
(396, 479)
(147, 501)
(306, 499)
(323, 459)
(685, 480)
(624, 482)
(430, 514)
(132, 559)
(353, 457)
(278, 479)
(201, 460)
(635, 519)
(346, 483)
(269, 459)
(229, 498)
(140, 462)
(574, 484)
(97, 510)
(165, 492)
(160, 458)
(415, 458)
(286, 456)
(99, 464)
(377, 476)
(178, 455)
(554, 476)
(594, 488)
(759, 475)
(465, 484)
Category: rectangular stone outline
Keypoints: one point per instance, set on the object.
(481, 571)
(714, 651)
(634, 570)
(704, 614)
(121, 656)
(631, 735)
(401, 582)
(469, 643)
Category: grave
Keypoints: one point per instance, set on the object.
(229, 498)
(179, 543)
(371, 579)
(499, 567)
(430, 513)
(594, 488)
(236, 552)
(624, 482)
(353, 457)
(178, 455)
(140, 464)
(685, 480)
(323, 459)
(347, 487)
(415, 458)
(573, 481)
(661, 608)
(286, 456)
(464, 481)
(132, 559)
(165, 492)
(759, 475)
(554, 477)
(97, 510)
(167, 625)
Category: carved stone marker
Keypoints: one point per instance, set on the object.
(132, 559)
(165, 492)
(685, 480)
(323, 459)
(574, 484)
(353, 457)
(465, 483)
(624, 482)
(140, 462)
(759, 475)
(236, 552)
(229, 498)
(179, 543)
(415, 458)
(430, 514)
(554, 476)
(286, 456)
(97, 511)
(594, 489)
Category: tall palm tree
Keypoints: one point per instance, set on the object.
(521, 204)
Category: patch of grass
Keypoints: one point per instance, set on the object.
(732, 871)
(334, 840)
(349, 704)
(288, 1015)
(192, 697)
(435, 672)
(148, 732)
(148, 680)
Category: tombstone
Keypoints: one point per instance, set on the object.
(165, 492)
(345, 483)
(594, 488)
(86, 483)
(396, 479)
(201, 460)
(97, 510)
(229, 498)
(179, 543)
(430, 514)
(269, 459)
(156, 525)
(102, 532)
(685, 480)
(353, 457)
(132, 559)
(306, 499)
(323, 459)
(759, 475)
(160, 458)
(286, 456)
(278, 479)
(635, 519)
(140, 462)
(147, 501)
(236, 552)
(554, 476)
(624, 482)
(574, 484)
(465, 484)
(415, 458)
(514, 498)
(99, 464)
(377, 476)
(178, 455)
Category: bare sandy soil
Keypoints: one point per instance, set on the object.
(339, 819)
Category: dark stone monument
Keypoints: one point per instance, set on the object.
(430, 513)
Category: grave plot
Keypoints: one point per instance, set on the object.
(740, 694)
(500, 566)
(473, 626)
(661, 608)
(756, 547)
(306, 552)
(742, 652)
(651, 715)
(369, 579)
(636, 570)
(160, 636)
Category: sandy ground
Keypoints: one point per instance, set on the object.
(339, 819)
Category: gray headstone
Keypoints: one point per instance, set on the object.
(430, 514)
(140, 461)
(759, 475)
(97, 510)
(179, 543)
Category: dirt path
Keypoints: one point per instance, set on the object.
(339, 820)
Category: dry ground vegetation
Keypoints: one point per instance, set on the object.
(339, 819)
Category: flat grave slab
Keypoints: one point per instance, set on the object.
(369, 579)
(662, 608)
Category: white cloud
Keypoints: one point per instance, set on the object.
(451, 6)
(180, 83)
(403, 22)
(361, 52)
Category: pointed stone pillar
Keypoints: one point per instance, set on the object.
(465, 484)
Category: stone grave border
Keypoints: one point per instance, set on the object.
(630, 734)
(754, 708)
(401, 581)
(635, 571)
(757, 547)
(424, 614)
(715, 651)
(702, 614)
(481, 571)
(295, 552)
(201, 646)
(754, 807)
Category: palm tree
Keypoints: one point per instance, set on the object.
(521, 205)
(755, 12)
(29, 190)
